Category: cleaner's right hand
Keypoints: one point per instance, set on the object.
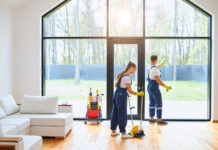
(140, 93)
(163, 63)
(167, 87)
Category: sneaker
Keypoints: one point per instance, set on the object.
(162, 122)
(152, 121)
(126, 136)
(114, 134)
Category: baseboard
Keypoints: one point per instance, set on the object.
(214, 121)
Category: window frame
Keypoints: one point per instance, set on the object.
(144, 37)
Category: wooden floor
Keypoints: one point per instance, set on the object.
(174, 136)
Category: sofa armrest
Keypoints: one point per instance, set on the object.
(62, 108)
(65, 108)
(9, 143)
(11, 139)
(7, 147)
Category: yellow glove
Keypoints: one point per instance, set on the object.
(140, 93)
(163, 63)
(167, 88)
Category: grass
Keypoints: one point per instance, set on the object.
(182, 90)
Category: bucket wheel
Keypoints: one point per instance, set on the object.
(85, 122)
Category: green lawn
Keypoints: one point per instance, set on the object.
(182, 90)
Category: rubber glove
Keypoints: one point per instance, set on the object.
(167, 88)
(163, 63)
(140, 93)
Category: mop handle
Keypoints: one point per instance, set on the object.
(130, 110)
(141, 109)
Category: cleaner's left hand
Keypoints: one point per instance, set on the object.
(140, 93)
(167, 88)
(163, 63)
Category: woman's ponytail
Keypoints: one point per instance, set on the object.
(130, 64)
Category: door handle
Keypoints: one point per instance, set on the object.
(141, 88)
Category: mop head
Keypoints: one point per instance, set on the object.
(139, 134)
(134, 130)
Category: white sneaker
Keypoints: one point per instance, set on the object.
(114, 133)
(126, 136)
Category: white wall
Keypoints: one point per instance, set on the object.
(5, 50)
(27, 47)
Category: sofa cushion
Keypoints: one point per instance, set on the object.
(39, 104)
(60, 119)
(20, 123)
(9, 129)
(49, 131)
(2, 113)
(8, 105)
(32, 142)
(1, 130)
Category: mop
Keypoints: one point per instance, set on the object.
(134, 128)
(135, 132)
(140, 133)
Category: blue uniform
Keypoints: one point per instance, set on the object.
(155, 97)
(119, 111)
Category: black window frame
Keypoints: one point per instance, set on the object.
(144, 37)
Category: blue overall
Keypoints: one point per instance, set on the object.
(155, 97)
(119, 111)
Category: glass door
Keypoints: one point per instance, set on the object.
(121, 51)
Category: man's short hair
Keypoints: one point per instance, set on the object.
(153, 57)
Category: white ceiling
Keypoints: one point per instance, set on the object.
(13, 3)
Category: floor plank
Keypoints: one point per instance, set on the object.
(174, 136)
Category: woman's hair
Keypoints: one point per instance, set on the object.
(129, 65)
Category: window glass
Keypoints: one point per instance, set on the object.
(174, 18)
(186, 71)
(72, 68)
(77, 18)
(126, 18)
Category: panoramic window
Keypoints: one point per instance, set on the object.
(81, 37)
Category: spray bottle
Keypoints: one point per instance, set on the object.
(97, 99)
(90, 98)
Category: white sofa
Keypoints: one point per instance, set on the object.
(49, 125)
(18, 123)
(20, 128)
